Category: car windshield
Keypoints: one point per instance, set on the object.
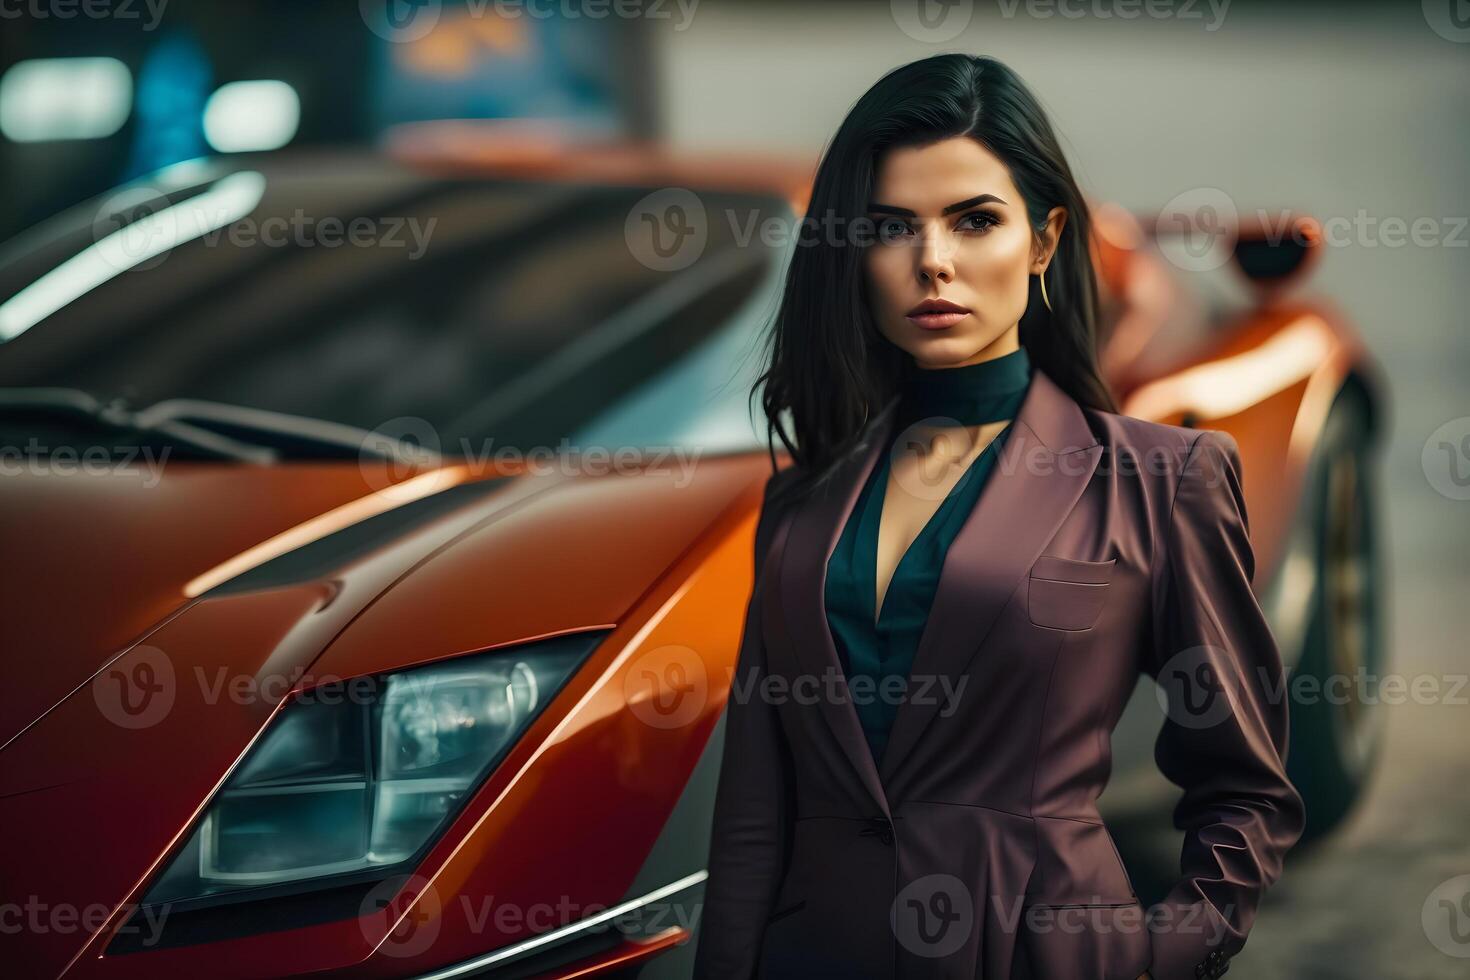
(520, 311)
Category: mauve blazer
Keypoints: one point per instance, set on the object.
(1102, 546)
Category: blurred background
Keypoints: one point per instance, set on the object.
(1354, 113)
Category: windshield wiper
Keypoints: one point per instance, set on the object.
(295, 435)
(72, 404)
(218, 429)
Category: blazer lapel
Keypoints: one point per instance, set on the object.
(816, 525)
(1045, 464)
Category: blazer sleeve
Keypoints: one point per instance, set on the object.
(752, 804)
(1224, 737)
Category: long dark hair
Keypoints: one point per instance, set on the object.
(829, 365)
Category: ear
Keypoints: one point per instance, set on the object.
(1046, 243)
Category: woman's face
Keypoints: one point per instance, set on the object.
(952, 226)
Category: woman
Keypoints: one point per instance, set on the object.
(918, 728)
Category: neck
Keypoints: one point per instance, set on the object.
(1007, 343)
(970, 394)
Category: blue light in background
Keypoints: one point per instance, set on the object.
(173, 85)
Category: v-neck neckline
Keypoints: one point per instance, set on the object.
(881, 477)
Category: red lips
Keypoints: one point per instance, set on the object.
(937, 306)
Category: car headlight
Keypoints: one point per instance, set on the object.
(357, 778)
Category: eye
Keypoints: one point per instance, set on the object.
(978, 221)
(890, 228)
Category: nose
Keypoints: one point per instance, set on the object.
(935, 259)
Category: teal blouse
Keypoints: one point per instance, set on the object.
(988, 391)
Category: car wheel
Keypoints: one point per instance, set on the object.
(1336, 722)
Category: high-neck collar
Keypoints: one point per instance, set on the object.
(972, 394)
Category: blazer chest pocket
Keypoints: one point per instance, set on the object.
(1067, 594)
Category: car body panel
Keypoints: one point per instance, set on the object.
(581, 555)
(1280, 369)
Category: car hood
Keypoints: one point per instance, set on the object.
(99, 561)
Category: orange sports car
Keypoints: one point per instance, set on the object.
(379, 530)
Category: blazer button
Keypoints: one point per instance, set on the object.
(880, 828)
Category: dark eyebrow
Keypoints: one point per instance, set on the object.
(951, 209)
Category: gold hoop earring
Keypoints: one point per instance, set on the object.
(1044, 299)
